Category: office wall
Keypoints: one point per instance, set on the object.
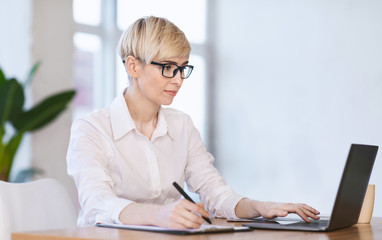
(296, 83)
(53, 29)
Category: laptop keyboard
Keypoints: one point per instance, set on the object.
(295, 224)
(313, 223)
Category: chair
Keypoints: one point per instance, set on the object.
(39, 205)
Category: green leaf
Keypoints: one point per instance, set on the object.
(2, 77)
(32, 73)
(2, 145)
(8, 156)
(11, 100)
(43, 113)
(5, 104)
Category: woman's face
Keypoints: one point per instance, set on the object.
(154, 86)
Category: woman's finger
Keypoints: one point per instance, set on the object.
(197, 208)
(311, 214)
(303, 210)
(187, 214)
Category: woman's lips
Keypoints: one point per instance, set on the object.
(171, 93)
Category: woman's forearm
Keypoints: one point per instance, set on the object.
(139, 214)
(247, 208)
(180, 214)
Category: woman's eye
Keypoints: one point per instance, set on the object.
(167, 67)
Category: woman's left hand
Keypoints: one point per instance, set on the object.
(274, 209)
(247, 208)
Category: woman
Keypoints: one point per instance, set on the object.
(124, 158)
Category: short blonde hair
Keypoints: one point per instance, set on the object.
(153, 37)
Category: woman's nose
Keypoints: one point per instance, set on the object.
(177, 79)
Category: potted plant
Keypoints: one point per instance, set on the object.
(15, 121)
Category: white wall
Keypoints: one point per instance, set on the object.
(297, 82)
(53, 29)
(15, 37)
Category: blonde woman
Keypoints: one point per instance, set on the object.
(124, 158)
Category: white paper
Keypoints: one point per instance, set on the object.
(204, 228)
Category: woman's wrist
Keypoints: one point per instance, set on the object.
(137, 213)
(247, 208)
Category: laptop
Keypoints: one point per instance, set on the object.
(350, 195)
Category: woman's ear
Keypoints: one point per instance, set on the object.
(131, 65)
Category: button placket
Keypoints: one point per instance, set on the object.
(154, 171)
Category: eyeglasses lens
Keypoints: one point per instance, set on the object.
(171, 70)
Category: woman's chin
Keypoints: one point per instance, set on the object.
(167, 103)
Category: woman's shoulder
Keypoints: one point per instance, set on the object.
(177, 118)
(96, 114)
(97, 118)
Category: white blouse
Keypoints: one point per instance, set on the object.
(112, 164)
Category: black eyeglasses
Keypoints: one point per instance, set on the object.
(170, 70)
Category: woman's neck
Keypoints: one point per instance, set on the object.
(143, 112)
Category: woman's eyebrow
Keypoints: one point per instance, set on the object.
(172, 62)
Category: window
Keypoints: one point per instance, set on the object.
(190, 17)
(86, 58)
(87, 12)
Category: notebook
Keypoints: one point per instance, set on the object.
(350, 195)
(204, 228)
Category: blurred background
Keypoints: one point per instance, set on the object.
(279, 92)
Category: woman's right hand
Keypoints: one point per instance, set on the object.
(181, 214)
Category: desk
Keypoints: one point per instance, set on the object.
(359, 231)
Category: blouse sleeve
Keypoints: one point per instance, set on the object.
(203, 178)
(87, 161)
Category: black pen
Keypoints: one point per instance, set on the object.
(188, 198)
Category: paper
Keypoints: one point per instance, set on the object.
(205, 228)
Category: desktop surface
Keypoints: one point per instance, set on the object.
(359, 231)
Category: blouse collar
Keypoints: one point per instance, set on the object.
(122, 122)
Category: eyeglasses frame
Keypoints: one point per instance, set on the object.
(181, 68)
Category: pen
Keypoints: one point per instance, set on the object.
(188, 198)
